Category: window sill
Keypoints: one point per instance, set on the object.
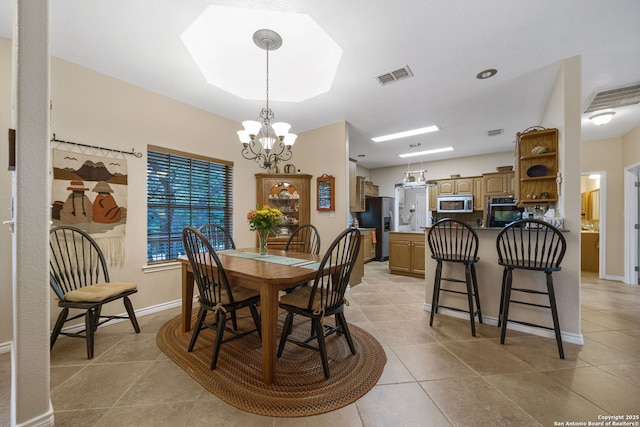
(154, 268)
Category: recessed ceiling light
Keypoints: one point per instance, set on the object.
(423, 153)
(428, 129)
(486, 73)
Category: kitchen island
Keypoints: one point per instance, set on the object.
(489, 275)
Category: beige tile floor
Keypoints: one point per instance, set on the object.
(438, 376)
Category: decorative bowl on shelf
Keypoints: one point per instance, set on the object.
(539, 150)
(537, 171)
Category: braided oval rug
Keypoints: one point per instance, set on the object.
(299, 389)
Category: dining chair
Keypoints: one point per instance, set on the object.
(532, 245)
(455, 242)
(218, 236)
(216, 295)
(325, 297)
(79, 277)
(305, 238)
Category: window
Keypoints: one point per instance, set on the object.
(184, 190)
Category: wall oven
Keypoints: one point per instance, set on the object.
(502, 211)
(455, 204)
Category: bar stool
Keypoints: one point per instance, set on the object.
(534, 245)
(456, 242)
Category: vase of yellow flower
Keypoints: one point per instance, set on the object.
(264, 221)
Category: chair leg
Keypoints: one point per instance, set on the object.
(221, 320)
(202, 313)
(345, 329)
(467, 276)
(321, 345)
(554, 314)
(234, 321)
(504, 281)
(256, 319)
(286, 330)
(435, 299)
(505, 308)
(474, 280)
(62, 317)
(90, 328)
(132, 314)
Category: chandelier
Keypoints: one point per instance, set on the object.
(263, 141)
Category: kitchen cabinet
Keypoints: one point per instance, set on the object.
(290, 193)
(406, 254)
(455, 186)
(359, 204)
(537, 166)
(433, 198)
(370, 189)
(354, 203)
(590, 251)
(478, 194)
(368, 246)
(499, 183)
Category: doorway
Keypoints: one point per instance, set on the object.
(632, 219)
(592, 223)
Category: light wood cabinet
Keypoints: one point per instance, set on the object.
(433, 198)
(590, 252)
(499, 183)
(370, 189)
(478, 194)
(537, 166)
(455, 186)
(290, 193)
(354, 204)
(406, 254)
(368, 246)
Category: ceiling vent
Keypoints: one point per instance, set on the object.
(495, 132)
(393, 76)
(615, 98)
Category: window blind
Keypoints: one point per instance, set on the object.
(184, 190)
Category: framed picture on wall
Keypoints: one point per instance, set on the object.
(325, 191)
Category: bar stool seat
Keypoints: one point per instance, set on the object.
(533, 245)
(455, 242)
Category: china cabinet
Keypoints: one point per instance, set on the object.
(290, 193)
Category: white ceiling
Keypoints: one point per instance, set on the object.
(445, 43)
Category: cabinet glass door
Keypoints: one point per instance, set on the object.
(285, 197)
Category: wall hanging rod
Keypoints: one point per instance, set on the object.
(132, 152)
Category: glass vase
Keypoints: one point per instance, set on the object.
(262, 237)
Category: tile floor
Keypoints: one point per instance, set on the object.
(438, 376)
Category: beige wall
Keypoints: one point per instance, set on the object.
(93, 108)
(606, 155)
(631, 147)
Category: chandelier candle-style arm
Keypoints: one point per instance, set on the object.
(263, 140)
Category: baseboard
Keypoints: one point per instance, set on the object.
(614, 278)
(493, 321)
(139, 313)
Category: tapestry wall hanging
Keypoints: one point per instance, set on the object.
(90, 192)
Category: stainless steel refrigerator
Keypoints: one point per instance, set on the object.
(379, 214)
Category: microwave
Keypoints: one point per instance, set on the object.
(455, 204)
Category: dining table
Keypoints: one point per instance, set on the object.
(269, 275)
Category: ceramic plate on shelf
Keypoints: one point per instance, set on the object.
(537, 170)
